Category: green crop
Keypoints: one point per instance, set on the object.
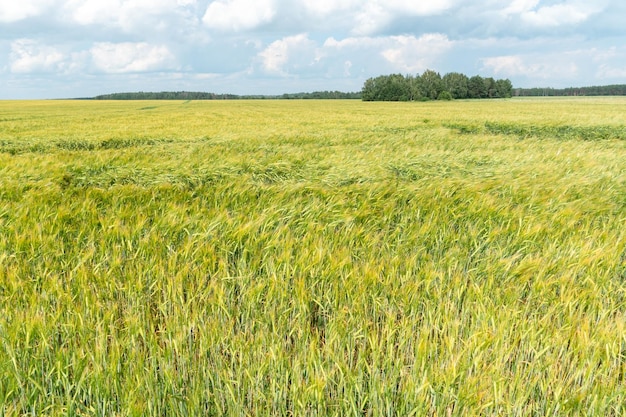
(341, 258)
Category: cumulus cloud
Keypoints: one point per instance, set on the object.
(327, 7)
(537, 66)
(13, 11)
(236, 15)
(87, 12)
(404, 53)
(418, 8)
(559, 14)
(316, 42)
(411, 54)
(141, 18)
(128, 57)
(506, 65)
(608, 72)
(375, 15)
(292, 51)
(371, 18)
(361, 55)
(29, 56)
(519, 6)
(561, 68)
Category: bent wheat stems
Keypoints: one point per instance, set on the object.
(313, 258)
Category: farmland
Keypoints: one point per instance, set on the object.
(313, 258)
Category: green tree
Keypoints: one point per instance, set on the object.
(490, 87)
(394, 87)
(431, 84)
(368, 92)
(414, 87)
(398, 88)
(504, 88)
(457, 84)
(476, 87)
(445, 95)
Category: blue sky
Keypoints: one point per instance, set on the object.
(81, 48)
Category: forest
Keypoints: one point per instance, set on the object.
(432, 86)
(195, 95)
(396, 87)
(604, 90)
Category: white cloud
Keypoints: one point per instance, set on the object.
(353, 42)
(142, 17)
(365, 17)
(507, 65)
(418, 8)
(15, 10)
(538, 66)
(411, 54)
(608, 72)
(131, 57)
(520, 6)
(327, 7)
(346, 68)
(296, 50)
(372, 18)
(237, 15)
(341, 58)
(88, 12)
(28, 56)
(334, 43)
(251, 43)
(609, 63)
(375, 15)
(559, 14)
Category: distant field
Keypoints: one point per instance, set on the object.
(279, 258)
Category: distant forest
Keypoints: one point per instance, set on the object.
(606, 90)
(190, 95)
(396, 87)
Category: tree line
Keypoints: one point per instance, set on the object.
(432, 86)
(191, 95)
(166, 95)
(396, 87)
(605, 90)
(322, 95)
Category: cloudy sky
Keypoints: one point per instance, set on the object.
(81, 48)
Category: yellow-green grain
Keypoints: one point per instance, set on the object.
(313, 258)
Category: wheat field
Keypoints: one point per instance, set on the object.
(313, 258)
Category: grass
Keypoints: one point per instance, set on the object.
(313, 258)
